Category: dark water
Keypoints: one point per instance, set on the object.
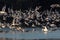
(38, 34)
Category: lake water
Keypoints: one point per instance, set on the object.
(15, 35)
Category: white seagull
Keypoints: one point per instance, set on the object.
(45, 29)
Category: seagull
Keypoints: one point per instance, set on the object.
(3, 26)
(45, 29)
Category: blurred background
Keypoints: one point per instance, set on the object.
(26, 4)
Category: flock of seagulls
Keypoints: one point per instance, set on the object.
(31, 18)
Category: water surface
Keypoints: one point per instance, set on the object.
(38, 34)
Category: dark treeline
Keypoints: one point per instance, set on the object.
(25, 4)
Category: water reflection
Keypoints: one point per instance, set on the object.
(36, 34)
(45, 32)
(25, 39)
(9, 39)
